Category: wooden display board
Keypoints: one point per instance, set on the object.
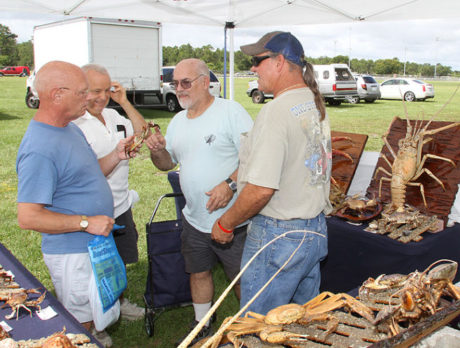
(343, 169)
(445, 144)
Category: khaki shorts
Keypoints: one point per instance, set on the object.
(70, 274)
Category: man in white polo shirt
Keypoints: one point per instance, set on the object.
(103, 129)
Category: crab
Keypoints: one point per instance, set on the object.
(3, 333)
(358, 203)
(270, 328)
(416, 295)
(18, 300)
(358, 208)
(139, 139)
(5, 276)
(406, 225)
(58, 340)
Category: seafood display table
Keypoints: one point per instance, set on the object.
(355, 255)
(27, 327)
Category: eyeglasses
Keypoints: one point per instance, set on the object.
(79, 94)
(256, 60)
(185, 83)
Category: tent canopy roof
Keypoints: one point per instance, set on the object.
(244, 13)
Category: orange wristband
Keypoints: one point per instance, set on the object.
(223, 229)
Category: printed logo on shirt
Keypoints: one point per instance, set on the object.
(209, 139)
(319, 164)
(318, 153)
(299, 109)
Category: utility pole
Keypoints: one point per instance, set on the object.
(405, 60)
(435, 55)
(349, 47)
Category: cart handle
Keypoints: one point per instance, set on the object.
(175, 194)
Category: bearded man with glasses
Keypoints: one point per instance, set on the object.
(204, 139)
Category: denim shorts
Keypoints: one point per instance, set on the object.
(299, 280)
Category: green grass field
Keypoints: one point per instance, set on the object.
(372, 119)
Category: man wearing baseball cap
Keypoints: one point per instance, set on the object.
(283, 179)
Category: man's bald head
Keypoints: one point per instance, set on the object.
(63, 89)
(56, 74)
(194, 64)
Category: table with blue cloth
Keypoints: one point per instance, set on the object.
(27, 327)
(355, 255)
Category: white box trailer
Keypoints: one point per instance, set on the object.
(130, 50)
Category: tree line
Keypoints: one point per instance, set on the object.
(215, 60)
(13, 53)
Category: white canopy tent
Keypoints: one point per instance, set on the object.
(234, 14)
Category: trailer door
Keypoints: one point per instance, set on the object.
(130, 54)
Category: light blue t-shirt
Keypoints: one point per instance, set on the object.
(57, 167)
(207, 149)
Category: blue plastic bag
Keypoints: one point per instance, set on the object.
(108, 268)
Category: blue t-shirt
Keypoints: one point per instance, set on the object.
(57, 167)
(207, 149)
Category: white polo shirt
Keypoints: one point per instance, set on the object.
(103, 139)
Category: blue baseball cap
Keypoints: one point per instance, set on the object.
(278, 42)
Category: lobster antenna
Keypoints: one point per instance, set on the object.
(430, 267)
(422, 117)
(418, 125)
(408, 126)
(442, 108)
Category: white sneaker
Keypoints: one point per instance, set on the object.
(131, 311)
(103, 337)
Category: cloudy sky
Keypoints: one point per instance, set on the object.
(421, 41)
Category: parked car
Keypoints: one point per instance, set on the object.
(258, 97)
(335, 82)
(169, 93)
(15, 71)
(368, 89)
(407, 89)
(32, 100)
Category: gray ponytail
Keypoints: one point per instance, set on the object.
(309, 78)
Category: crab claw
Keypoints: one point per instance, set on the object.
(11, 315)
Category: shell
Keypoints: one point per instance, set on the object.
(285, 314)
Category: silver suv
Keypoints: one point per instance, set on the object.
(368, 89)
(169, 93)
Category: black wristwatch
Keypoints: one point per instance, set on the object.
(231, 184)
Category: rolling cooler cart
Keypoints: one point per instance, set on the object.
(168, 284)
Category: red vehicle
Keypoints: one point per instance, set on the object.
(15, 70)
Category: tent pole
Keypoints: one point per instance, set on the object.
(225, 62)
(232, 64)
(229, 25)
